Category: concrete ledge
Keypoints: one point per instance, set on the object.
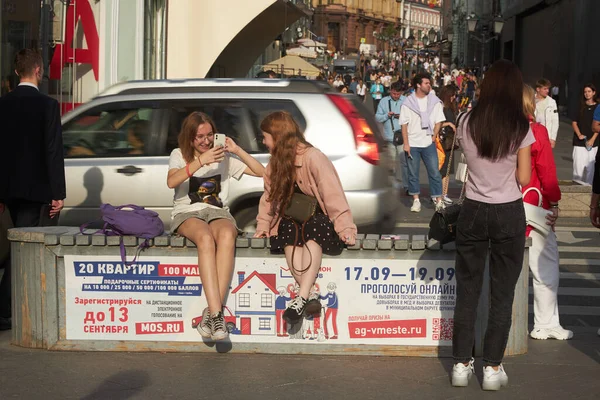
(88, 299)
(575, 201)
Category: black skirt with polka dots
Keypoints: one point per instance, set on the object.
(318, 228)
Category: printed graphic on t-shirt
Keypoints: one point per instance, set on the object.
(206, 190)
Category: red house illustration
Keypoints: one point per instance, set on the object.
(255, 303)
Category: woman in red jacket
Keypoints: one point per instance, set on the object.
(543, 254)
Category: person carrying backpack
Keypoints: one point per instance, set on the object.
(200, 174)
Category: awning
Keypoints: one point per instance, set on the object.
(302, 52)
(311, 43)
(292, 65)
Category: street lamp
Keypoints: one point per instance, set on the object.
(484, 36)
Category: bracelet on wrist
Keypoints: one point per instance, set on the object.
(553, 205)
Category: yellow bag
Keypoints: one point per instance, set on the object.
(441, 153)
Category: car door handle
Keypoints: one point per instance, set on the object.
(129, 170)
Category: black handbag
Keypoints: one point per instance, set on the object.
(442, 226)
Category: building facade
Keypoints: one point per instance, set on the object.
(554, 39)
(89, 45)
(345, 24)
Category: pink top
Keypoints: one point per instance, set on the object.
(492, 182)
(316, 176)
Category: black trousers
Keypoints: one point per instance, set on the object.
(23, 214)
(499, 229)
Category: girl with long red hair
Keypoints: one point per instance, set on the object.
(298, 167)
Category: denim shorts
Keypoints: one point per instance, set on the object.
(207, 214)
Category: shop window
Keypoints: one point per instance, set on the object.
(105, 132)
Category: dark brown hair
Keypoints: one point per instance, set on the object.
(26, 61)
(582, 106)
(418, 79)
(497, 124)
(187, 135)
(286, 138)
(543, 83)
(446, 93)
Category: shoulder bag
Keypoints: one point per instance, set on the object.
(442, 226)
(299, 210)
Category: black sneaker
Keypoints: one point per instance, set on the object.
(313, 305)
(295, 310)
(218, 331)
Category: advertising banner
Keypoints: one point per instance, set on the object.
(364, 301)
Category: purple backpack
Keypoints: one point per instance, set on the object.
(129, 220)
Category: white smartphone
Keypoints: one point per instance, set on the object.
(219, 139)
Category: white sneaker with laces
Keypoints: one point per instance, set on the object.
(494, 380)
(447, 200)
(461, 373)
(416, 207)
(204, 327)
(558, 333)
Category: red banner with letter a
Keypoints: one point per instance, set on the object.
(78, 11)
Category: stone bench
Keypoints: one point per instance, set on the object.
(394, 295)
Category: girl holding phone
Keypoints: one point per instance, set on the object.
(200, 173)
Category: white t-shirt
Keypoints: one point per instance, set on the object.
(418, 137)
(338, 83)
(208, 187)
(361, 90)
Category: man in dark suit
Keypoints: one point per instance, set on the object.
(32, 181)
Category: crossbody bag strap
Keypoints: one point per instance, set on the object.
(390, 110)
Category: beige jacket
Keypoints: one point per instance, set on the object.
(317, 177)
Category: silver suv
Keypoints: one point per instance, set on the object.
(117, 146)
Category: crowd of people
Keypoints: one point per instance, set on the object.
(506, 137)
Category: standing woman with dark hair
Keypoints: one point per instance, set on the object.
(448, 96)
(200, 174)
(585, 142)
(296, 167)
(496, 140)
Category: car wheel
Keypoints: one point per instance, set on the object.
(230, 327)
(246, 218)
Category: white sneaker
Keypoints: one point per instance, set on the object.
(204, 326)
(461, 374)
(447, 200)
(494, 380)
(551, 333)
(416, 207)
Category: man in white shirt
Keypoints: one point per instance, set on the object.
(421, 117)
(546, 110)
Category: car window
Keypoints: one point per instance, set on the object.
(109, 131)
(239, 119)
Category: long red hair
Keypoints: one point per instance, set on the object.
(286, 138)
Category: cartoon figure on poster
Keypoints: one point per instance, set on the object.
(332, 309)
(280, 306)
